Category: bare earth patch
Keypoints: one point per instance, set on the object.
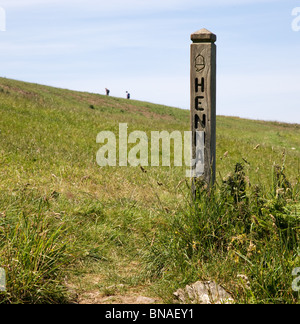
(96, 297)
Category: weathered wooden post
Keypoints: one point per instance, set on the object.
(203, 107)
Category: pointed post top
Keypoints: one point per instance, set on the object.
(203, 36)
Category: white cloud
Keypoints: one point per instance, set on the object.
(118, 5)
(11, 48)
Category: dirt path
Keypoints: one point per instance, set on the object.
(89, 291)
(95, 297)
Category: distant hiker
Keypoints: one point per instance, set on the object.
(107, 91)
(128, 95)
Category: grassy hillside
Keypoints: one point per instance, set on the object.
(71, 230)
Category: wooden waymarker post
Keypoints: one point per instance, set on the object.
(203, 107)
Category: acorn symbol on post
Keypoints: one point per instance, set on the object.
(199, 63)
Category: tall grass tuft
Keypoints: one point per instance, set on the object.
(33, 254)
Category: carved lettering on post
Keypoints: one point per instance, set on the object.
(203, 106)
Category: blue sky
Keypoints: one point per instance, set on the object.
(143, 46)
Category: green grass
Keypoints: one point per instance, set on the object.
(243, 236)
(69, 227)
